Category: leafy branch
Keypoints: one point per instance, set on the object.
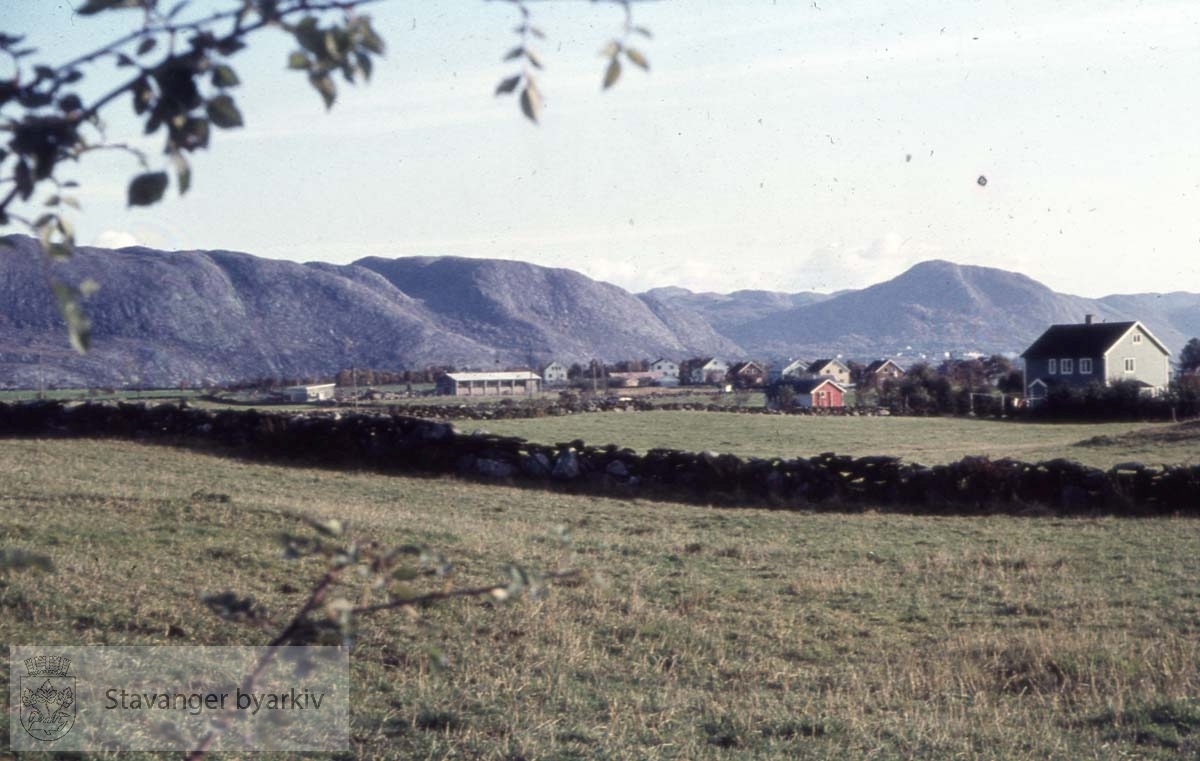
(181, 84)
(531, 96)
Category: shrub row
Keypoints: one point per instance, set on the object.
(399, 444)
(507, 409)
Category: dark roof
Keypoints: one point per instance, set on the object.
(816, 367)
(1078, 340)
(740, 366)
(877, 364)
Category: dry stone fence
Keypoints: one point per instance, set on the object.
(410, 445)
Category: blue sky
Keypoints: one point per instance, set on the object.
(787, 146)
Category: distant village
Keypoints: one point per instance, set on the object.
(1067, 358)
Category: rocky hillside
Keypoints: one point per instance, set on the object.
(164, 318)
(938, 306)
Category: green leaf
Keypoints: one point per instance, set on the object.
(636, 57)
(70, 102)
(146, 45)
(23, 177)
(368, 38)
(183, 172)
(531, 102)
(147, 188)
(324, 85)
(298, 60)
(190, 135)
(308, 35)
(227, 46)
(92, 7)
(506, 86)
(514, 54)
(364, 65)
(533, 58)
(143, 96)
(612, 72)
(79, 327)
(224, 76)
(224, 112)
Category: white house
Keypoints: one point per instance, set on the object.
(554, 374)
(313, 393)
(668, 371)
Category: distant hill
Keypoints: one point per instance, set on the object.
(726, 312)
(937, 306)
(164, 318)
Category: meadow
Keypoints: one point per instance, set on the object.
(929, 441)
(690, 633)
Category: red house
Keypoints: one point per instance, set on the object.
(819, 392)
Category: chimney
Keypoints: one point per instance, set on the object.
(1087, 319)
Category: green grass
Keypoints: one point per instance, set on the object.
(926, 440)
(695, 633)
(98, 395)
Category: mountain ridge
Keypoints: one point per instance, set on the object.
(164, 318)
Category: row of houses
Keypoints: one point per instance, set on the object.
(714, 371)
(1073, 355)
(822, 383)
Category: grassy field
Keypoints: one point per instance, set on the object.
(926, 440)
(693, 633)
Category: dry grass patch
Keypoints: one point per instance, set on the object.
(697, 633)
(926, 440)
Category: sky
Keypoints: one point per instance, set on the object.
(789, 146)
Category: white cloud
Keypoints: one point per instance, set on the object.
(115, 239)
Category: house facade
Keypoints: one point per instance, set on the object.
(668, 371)
(749, 374)
(554, 374)
(797, 368)
(830, 368)
(883, 369)
(704, 371)
(633, 379)
(1078, 355)
(818, 392)
(510, 383)
(321, 392)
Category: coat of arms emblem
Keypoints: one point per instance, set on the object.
(47, 697)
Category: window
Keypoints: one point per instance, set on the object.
(1052, 366)
(1137, 338)
(1085, 366)
(1066, 366)
(1129, 365)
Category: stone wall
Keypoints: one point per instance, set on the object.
(401, 444)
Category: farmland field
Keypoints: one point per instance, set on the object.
(691, 633)
(926, 440)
